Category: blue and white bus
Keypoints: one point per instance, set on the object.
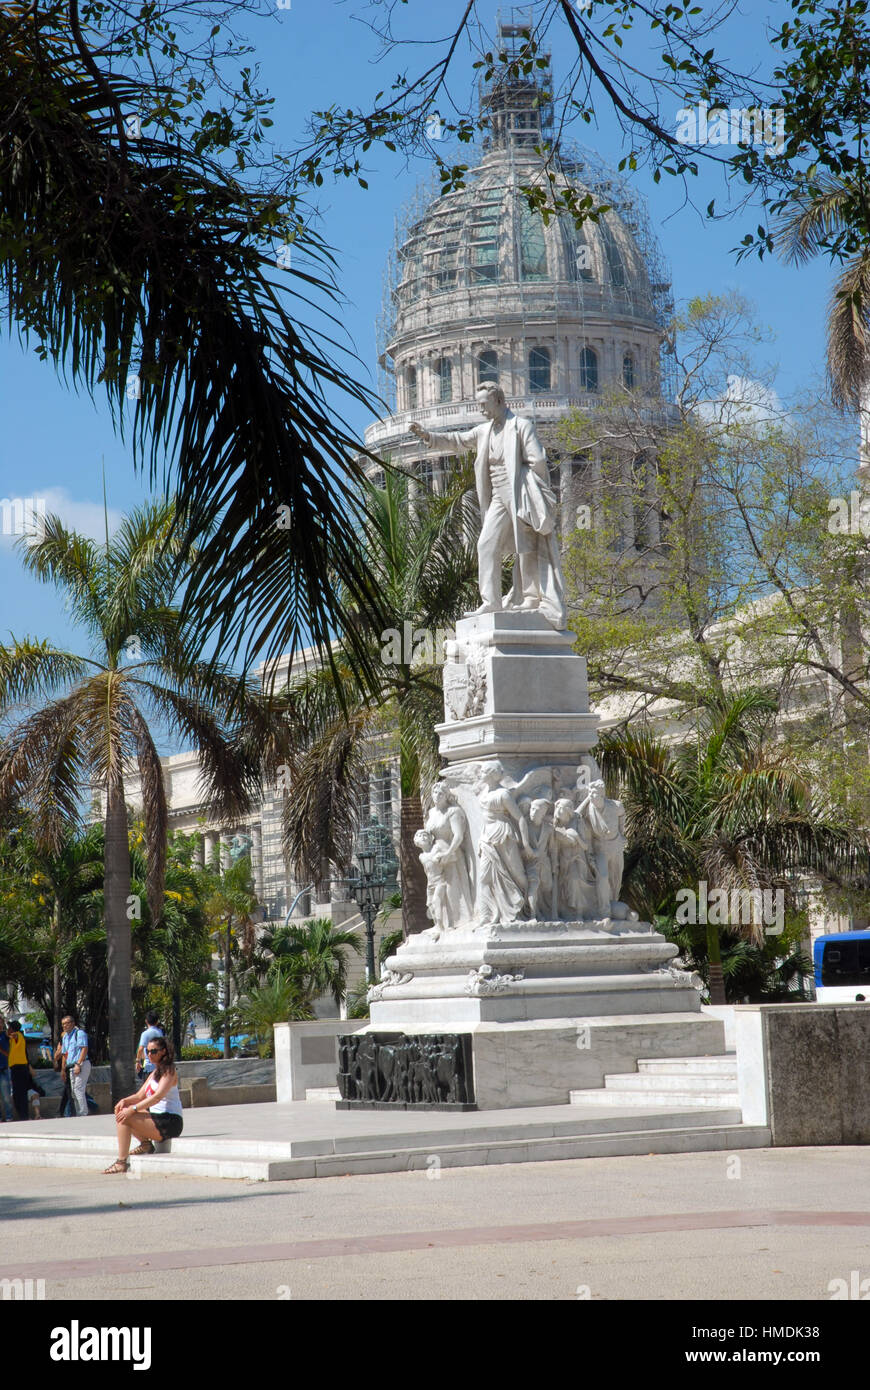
(841, 965)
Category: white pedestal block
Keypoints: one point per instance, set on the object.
(514, 689)
(541, 1062)
(519, 971)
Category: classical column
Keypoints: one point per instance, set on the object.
(225, 849)
(210, 838)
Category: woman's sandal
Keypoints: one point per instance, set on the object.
(119, 1166)
(146, 1147)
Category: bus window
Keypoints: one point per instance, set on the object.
(846, 963)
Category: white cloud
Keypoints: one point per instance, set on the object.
(88, 518)
(745, 402)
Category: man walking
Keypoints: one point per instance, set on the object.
(76, 1067)
(144, 1065)
(6, 1111)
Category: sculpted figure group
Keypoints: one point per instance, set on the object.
(544, 857)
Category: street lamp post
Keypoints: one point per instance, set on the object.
(368, 891)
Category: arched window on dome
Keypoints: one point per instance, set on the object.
(533, 246)
(628, 371)
(539, 370)
(588, 370)
(411, 387)
(444, 372)
(487, 367)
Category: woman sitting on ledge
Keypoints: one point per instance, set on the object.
(154, 1113)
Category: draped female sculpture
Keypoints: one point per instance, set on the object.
(502, 882)
(448, 827)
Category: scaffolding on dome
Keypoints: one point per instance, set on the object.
(588, 168)
(456, 241)
(415, 245)
(518, 109)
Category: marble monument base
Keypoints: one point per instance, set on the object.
(551, 1007)
(540, 1062)
(520, 827)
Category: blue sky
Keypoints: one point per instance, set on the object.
(55, 443)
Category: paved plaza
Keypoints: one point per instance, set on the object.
(763, 1223)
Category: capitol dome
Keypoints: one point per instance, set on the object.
(481, 288)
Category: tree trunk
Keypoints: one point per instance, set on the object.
(56, 1004)
(177, 1038)
(118, 940)
(227, 990)
(714, 956)
(414, 917)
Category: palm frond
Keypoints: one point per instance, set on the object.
(641, 765)
(31, 669)
(326, 780)
(150, 258)
(73, 564)
(43, 764)
(807, 231)
(849, 333)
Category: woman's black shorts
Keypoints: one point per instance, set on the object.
(170, 1126)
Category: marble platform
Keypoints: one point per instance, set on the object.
(275, 1143)
(518, 971)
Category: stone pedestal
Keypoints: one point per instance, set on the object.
(554, 1004)
(802, 1071)
(518, 971)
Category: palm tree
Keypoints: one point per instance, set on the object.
(279, 999)
(86, 719)
(730, 808)
(230, 910)
(315, 955)
(423, 575)
(826, 222)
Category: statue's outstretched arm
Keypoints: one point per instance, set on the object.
(451, 441)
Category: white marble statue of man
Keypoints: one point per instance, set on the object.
(605, 822)
(517, 508)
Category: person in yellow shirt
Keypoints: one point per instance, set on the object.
(19, 1069)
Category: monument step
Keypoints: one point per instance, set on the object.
(650, 1098)
(385, 1131)
(636, 1134)
(724, 1065)
(705, 1083)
